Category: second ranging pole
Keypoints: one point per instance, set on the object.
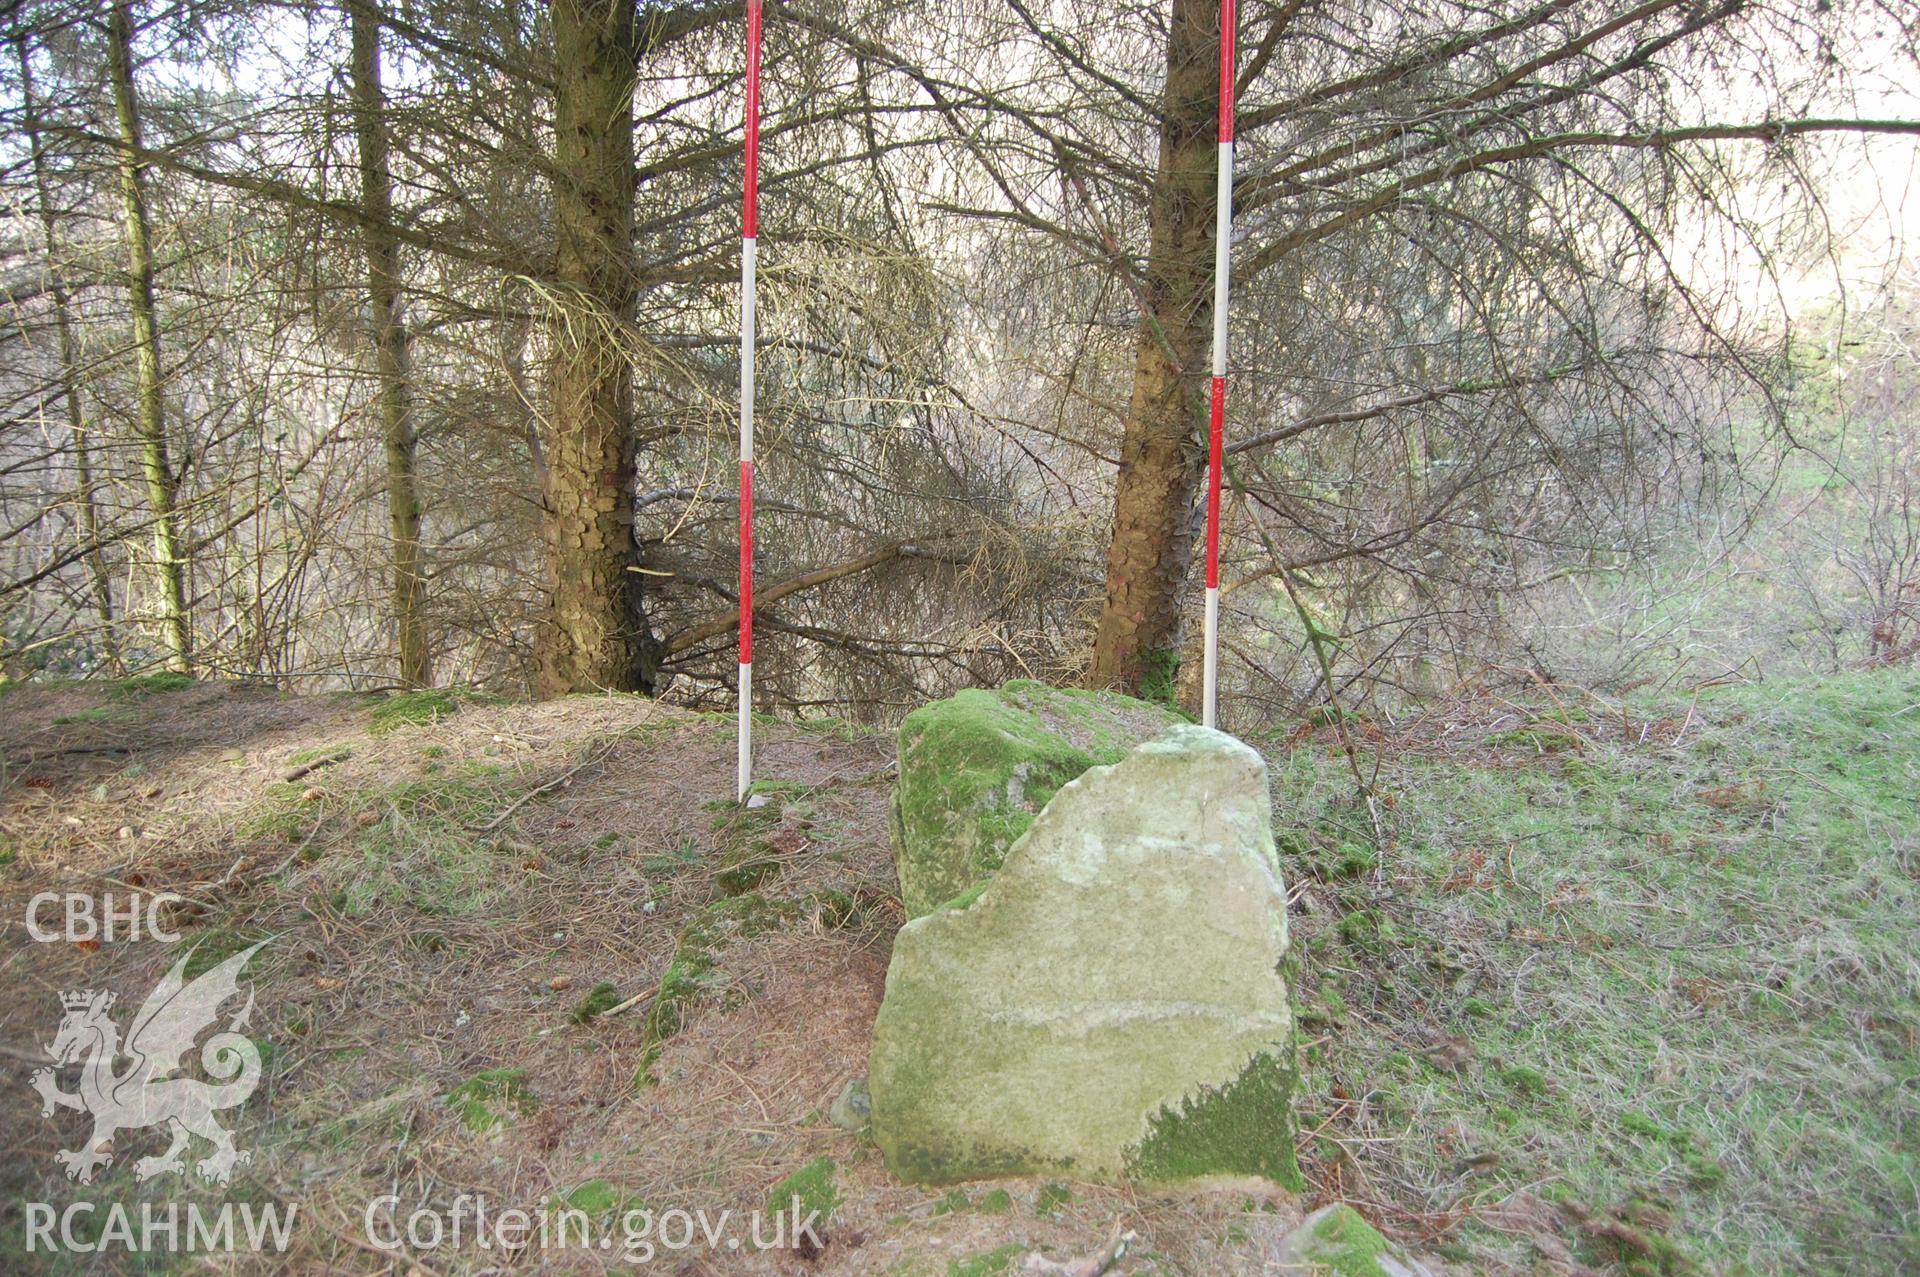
(1216, 417)
(1223, 234)
(750, 200)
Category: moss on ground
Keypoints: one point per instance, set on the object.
(987, 1263)
(150, 685)
(214, 945)
(694, 975)
(996, 1201)
(492, 1098)
(410, 709)
(746, 859)
(809, 1191)
(598, 1000)
(601, 1201)
(951, 1202)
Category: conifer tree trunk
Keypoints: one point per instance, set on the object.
(1162, 456)
(150, 425)
(101, 588)
(391, 350)
(595, 634)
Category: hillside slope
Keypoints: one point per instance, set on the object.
(1614, 986)
(521, 952)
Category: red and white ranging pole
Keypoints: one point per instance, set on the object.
(1216, 456)
(750, 201)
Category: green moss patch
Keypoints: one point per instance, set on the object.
(1243, 1128)
(694, 975)
(977, 767)
(1531, 1083)
(601, 1201)
(1702, 1169)
(811, 1190)
(951, 1202)
(215, 945)
(964, 900)
(1347, 1244)
(956, 1200)
(410, 709)
(491, 1099)
(150, 685)
(747, 858)
(995, 1202)
(988, 1263)
(1051, 1198)
(598, 1001)
(1326, 858)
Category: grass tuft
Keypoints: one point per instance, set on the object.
(410, 709)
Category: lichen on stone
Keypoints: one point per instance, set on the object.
(1123, 961)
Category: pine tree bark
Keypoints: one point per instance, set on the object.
(96, 558)
(595, 634)
(1162, 455)
(150, 423)
(391, 350)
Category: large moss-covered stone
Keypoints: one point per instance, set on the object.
(1109, 1004)
(977, 767)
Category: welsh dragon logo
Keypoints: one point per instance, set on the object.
(147, 1092)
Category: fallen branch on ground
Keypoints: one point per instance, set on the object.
(314, 765)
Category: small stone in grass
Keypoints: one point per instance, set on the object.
(853, 1109)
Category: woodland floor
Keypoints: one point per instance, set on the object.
(1632, 986)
